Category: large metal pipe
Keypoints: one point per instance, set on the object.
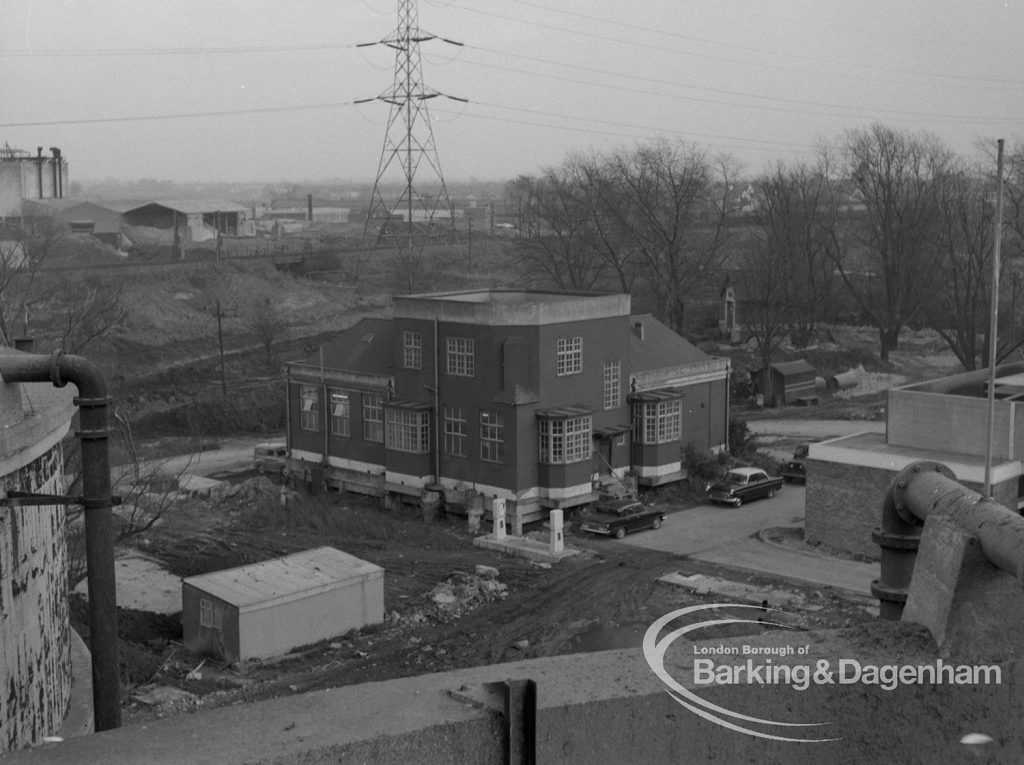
(926, 488)
(93, 432)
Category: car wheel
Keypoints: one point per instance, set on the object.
(620, 532)
(656, 524)
(771, 493)
(738, 501)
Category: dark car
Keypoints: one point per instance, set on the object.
(618, 517)
(796, 468)
(743, 484)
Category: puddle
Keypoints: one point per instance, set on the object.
(607, 637)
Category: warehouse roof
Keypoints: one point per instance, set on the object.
(282, 579)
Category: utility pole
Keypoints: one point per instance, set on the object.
(409, 143)
(220, 342)
(994, 324)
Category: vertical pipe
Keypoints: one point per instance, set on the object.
(993, 331)
(437, 407)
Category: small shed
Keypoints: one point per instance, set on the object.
(269, 608)
(788, 382)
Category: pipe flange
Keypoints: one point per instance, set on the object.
(893, 541)
(898, 491)
(55, 358)
(889, 593)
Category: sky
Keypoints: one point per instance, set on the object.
(260, 91)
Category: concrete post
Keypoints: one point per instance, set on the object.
(557, 542)
(498, 511)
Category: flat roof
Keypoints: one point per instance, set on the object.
(495, 307)
(282, 579)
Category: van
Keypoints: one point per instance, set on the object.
(269, 458)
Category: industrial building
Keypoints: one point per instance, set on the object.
(24, 176)
(944, 420)
(268, 608)
(537, 398)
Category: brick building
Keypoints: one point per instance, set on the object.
(537, 398)
(944, 420)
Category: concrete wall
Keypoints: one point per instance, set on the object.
(953, 423)
(598, 708)
(35, 659)
(843, 503)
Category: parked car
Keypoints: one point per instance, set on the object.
(743, 484)
(618, 517)
(796, 468)
(269, 458)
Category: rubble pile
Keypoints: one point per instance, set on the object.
(258, 492)
(460, 593)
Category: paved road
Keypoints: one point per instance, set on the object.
(727, 536)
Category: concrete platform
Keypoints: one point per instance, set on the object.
(524, 548)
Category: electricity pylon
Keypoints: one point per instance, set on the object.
(413, 219)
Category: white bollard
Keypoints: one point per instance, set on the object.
(557, 541)
(498, 511)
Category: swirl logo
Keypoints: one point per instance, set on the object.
(654, 652)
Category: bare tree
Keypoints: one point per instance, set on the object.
(560, 248)
(86, 310)
(795, 214)
(888, 267)
(675, 210)
(266, 323)
(23, 252)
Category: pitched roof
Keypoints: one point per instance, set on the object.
(660, 346)
(365, 347)
(194, 206)
(283, 579)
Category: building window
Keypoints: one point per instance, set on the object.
(460, 357)
(570, 356)
(563, 442)
(612, 384)
(309, 414)
(373, 418)
(454, 431)
(492, 436)
(408, 430)
(412, 345)
(209, 615)
(620, 440)
(341, 413)
(657, 422)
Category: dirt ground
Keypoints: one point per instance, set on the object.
(603, 598)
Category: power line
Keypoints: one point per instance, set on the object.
(724, 59)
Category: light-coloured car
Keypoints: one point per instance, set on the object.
(269, 457)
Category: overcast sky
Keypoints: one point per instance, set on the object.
(132, 89)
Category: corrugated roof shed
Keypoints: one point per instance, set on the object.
(659, 347)
(194, 206)
(282, 579)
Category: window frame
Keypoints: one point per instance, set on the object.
(373, 417)
(460, 357)
(565, 441)
(412, 350)
(657, 422)
(455, 431)
(569, 356)
(309, 408)
(341, 425)
(407, 430)
(612, 382)
(492, 437)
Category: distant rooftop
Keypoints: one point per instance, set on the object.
(509, 297)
